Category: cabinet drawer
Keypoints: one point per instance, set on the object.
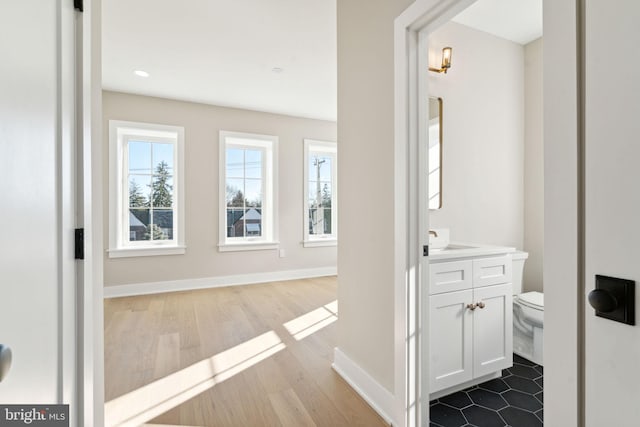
(450, 276)
(491, 271)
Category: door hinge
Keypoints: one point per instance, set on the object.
(79, 243)
(425, 250)
(78, 5)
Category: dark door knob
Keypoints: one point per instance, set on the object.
(602, 300)
(5, 361)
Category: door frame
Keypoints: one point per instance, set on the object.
(411, 31)
(564, 208)
(90, 332)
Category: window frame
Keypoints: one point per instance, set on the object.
(328, 148)
(269, 234)
(120, 134)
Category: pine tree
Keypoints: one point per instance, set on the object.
(160, 188)
(238, 200)
(136, 198)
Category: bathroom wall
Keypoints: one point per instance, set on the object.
(483, 142)
(202, 124)
(533, 166)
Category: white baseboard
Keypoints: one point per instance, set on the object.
(214, 282)
(380, 399)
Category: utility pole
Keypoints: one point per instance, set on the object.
(319, 219)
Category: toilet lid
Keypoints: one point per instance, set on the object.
(532, 299)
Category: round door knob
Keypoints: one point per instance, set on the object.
(602, 300)
(5, 361)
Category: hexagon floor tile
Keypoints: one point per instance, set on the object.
(514, 400)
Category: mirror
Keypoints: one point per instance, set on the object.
(435, 153)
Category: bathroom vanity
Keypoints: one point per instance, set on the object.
(470, 306)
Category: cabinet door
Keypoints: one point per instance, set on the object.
(450, 329)
(492, 329)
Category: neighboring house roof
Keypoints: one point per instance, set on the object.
(162, 218)
(251, 214)
(235, 215)
(134, 221)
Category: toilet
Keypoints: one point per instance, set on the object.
(528, 314)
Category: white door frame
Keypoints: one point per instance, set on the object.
(411, 309)
(67, 196)
(90, 275)
(562, 210)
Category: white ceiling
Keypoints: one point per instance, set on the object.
(516, 20)
(224, 52)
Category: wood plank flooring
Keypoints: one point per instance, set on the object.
(239, 356)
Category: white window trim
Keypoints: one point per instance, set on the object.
(330, 148)
(269, 240)
(119, 132)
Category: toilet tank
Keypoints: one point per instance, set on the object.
(518, 258)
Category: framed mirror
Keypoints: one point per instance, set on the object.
(435, 153)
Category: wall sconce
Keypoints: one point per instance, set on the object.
(446, 61)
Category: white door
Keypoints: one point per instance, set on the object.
(492, 329)
(37, 302)
(450, 330)
(612, 211)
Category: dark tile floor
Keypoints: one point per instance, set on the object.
(513, 400)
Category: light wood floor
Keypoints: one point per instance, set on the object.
(156, 338)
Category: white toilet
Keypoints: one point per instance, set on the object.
(528, 315)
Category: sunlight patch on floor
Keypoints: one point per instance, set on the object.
(311, 322)
(160, 396)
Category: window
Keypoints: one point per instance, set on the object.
(146, 189)
(247, 191)
(320, 193)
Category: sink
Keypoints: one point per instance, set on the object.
(465, 250)
(453, 247)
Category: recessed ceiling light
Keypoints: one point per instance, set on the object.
(277, 70)
(141, 73)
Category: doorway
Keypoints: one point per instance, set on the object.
(420, 20)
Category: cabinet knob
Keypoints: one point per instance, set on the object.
(472, 306)
(481, 304)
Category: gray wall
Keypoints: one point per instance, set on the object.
(202, 124)
(366, 198)
(533, 167)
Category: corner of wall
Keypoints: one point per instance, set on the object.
(378, 397)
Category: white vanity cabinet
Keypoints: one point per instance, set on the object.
(471, 326)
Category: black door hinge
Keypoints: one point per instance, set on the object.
(425, 250)
(78, 5)
(79, 243)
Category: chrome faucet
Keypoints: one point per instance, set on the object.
(433, 233)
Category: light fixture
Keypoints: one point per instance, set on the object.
(446, 61)
(141, 73)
